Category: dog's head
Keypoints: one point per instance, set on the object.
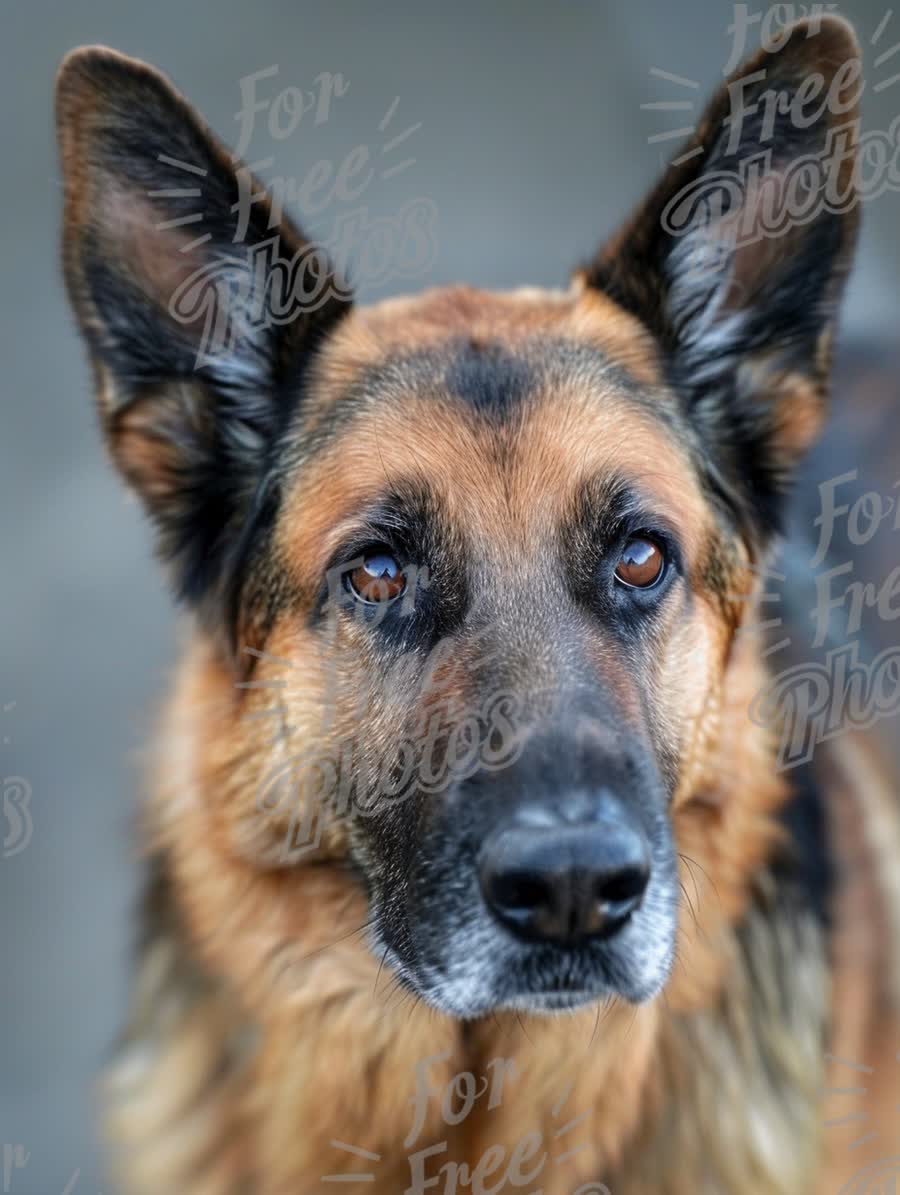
(479, 557)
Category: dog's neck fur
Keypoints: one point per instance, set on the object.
(267, 973)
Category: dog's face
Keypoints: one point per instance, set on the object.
(506, 600)
(485, 553)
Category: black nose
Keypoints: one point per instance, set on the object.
(565, 883)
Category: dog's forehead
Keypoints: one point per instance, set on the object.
(500, 405)
(374, 341)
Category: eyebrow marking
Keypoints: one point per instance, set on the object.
(489, 377)
(492, 377)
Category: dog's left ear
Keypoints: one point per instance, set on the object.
(737, 259)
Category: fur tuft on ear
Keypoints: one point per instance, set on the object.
(737, 259)
(200, 311)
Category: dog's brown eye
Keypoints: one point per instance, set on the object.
(641, 563)
(378, 579)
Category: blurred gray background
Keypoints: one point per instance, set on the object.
(533, 144)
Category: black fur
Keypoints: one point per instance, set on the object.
(215, 419)
(783, 312)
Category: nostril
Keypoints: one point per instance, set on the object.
(519, 891)
(622, 888)
(564, 884)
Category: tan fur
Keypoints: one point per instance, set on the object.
(288, 948)
(335, 1049)
(268, 1049)
(416, 434)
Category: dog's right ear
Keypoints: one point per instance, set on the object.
(199, 308)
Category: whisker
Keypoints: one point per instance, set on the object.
(596, 1025)
(360, 929)
(689, 862)
(522, 1026)
(380, 969)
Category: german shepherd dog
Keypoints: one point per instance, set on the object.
(490, 563)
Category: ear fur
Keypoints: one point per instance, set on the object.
(737, 259)
(200, 312)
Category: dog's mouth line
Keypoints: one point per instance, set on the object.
(555, 1000)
